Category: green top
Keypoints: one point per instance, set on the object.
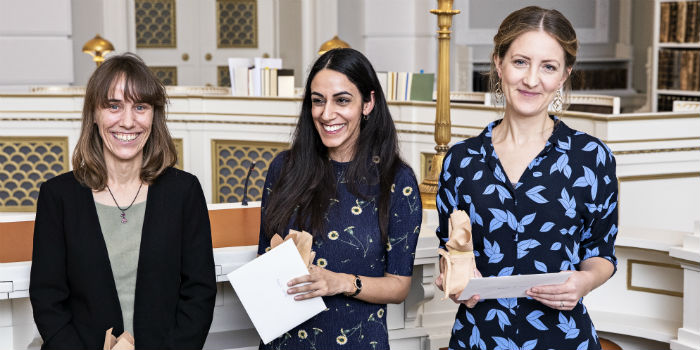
(123, 241)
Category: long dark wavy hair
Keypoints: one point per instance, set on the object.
(307, 183)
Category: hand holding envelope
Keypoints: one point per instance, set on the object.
(124, 342)
(261, 286)
(302, 240)
(457, 262)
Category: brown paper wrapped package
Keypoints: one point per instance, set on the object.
(302, 240)
(457, 262)
(124, 342)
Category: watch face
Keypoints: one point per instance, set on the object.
(358, 283)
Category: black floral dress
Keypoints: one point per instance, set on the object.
(352, 244)
(561, 211)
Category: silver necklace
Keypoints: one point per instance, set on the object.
(123, 214)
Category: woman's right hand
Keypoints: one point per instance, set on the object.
(471, 302)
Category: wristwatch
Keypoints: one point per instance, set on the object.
(358, 286)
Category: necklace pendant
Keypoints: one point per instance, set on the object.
(124, 220)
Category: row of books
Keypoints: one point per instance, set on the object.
(260, 77)
(665, 102)
(405, 86)
(679, 70)
(586, 79)
(680, 22)
(599, 79)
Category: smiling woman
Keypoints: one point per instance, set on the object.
(530, 195)
(341, 181)
(109, 223)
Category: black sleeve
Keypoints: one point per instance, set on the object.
(48, 286)
(195, 308)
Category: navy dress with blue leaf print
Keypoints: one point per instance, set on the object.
(352, 244)
(561, 211)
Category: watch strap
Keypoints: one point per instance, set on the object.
(358, 286)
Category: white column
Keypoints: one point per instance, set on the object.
(623, 47)
(326, 21)
(309, 48)
(689, 255)
(116, 25)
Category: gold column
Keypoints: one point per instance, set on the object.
(428, 189)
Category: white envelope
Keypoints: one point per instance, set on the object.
(510, 286)
(261, 285)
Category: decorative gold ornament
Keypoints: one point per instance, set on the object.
(428, 188)
(230, 163)
(98, 47)
(25, 163)
(334, 43)
(236, 24)
(155, 24)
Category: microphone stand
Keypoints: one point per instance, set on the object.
(244, 202)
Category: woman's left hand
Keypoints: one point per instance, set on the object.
(563, 296)
(320, 282)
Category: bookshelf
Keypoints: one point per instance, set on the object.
(676, 53)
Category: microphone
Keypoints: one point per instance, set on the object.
(244, 202)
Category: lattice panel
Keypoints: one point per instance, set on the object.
(231, 161)
(426, 161)
(155, 23)
(236, 23)
(180, 152)
(25, 163)
(167, 75)
(223, 76)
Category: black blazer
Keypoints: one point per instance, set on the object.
(72, 289)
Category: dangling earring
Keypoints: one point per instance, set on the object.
(498, 93)
(365, 116)
(558, 103)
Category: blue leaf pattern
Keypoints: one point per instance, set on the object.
(457, 326)
(546, 226)
(493, 251)
(525, 246)
(498, 173)
(534, 319)
(540, 266)
(465, 161)
(568, 326)
(534, 194)
(562, 210)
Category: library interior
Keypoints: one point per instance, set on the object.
(234, 72)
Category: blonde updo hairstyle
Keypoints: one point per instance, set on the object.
(534, 18)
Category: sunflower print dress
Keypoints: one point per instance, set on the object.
(352, 244)
(561, 211)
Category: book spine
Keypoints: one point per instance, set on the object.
(673, 14)
(665, 17)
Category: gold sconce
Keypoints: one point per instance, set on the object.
(443, 126)
(334, 43)
(98, 47)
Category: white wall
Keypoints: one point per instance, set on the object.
(595, 22)
(87, 21)
(397, 35)
(35, 43)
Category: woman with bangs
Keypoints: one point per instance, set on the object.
(123, 241)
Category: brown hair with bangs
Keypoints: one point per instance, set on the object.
(534, 18)
(140, 86)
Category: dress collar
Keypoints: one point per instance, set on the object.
(560, 138)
